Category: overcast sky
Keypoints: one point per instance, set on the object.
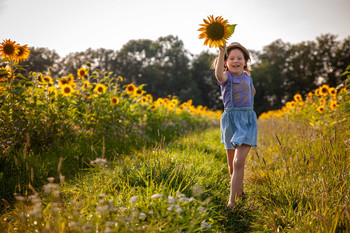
(74, 25)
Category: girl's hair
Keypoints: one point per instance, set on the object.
(246, 59)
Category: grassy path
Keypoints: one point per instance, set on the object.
(297, 180)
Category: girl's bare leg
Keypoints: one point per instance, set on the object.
(230, 156)
(240, 156)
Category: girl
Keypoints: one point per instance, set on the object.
(238, 124)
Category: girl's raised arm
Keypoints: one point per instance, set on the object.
(219, 69)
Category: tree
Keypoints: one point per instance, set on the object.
(204, 77)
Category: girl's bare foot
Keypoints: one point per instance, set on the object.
(231, 205)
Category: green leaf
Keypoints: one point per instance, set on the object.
(345, 73)
(232, 28)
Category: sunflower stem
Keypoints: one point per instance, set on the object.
(226, 52)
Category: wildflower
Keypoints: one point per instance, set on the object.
(9, 49)
(324, 90)
(23, 53)
(142, 216)
(177, 208)
(99, 161)
(120, 78)
(215, 31)
(133, 199)
(157, 195)
(82, 73)
(171, 199)
(205, 225)
(100, 88)
(66, 90)
(130, 89)
(309, 96)
(115, 100)
(320, 109)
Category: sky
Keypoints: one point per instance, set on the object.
(68, 26)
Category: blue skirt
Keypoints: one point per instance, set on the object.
(239, 126)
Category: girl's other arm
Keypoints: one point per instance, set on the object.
(219, 69)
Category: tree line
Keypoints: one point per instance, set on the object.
(166, 68)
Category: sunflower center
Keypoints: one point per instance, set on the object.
(67, 90)
(215, 31)
(100, 89)
(9, 49)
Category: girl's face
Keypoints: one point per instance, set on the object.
(235, 62)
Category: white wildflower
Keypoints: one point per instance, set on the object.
(171, 199)
(157, 195)
(205, 225)
(99, 161)
(142, 216)
(133, 199)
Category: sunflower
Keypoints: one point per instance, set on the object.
(333, 105)
(144, 99)
(324, 90)
(322, 101)
(82, 73)
(152, 107)
(86, 85)
(23, 53)
(52, 90)
(9, 49)
(5, 73)
(114, 100)
(332, 91)
(66, 90)
(320, 109)
(149, 97)
(215, 31)
(48, 79)
(298, 98)
(317, 92)
(120, 78)
(309, 96)
(62, 82)
(130, 89)
(100, 88)
(138, 91)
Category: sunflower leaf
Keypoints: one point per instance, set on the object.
(231, 28)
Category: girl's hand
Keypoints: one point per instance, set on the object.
(222, 48)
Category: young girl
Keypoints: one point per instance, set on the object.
(238, 124)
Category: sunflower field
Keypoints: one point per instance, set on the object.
(79, 117)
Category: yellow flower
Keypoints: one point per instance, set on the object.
(9, 49)
(100, 88)
(120, 78)
(317, 92)
(309, 96)
(215, 31)
(52, 90)
(62, 82)
(139, 91)
(333, 104)
(86, 85)
(23, 53)
(82, 73)
(332, 91)
(114, 100)
(66, 90)
(144, 99)
(298, 98)
(130, 89)
(322, 101)
(5, 73)
(47, 79)
(324, 90)
(320, 109)
(152, 107)
(149, 97)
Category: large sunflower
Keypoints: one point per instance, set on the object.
(100, 88)
(130, 89)
(67, 89)
(114, 100)
(9, 49)
(23, 53)
(215, 31)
